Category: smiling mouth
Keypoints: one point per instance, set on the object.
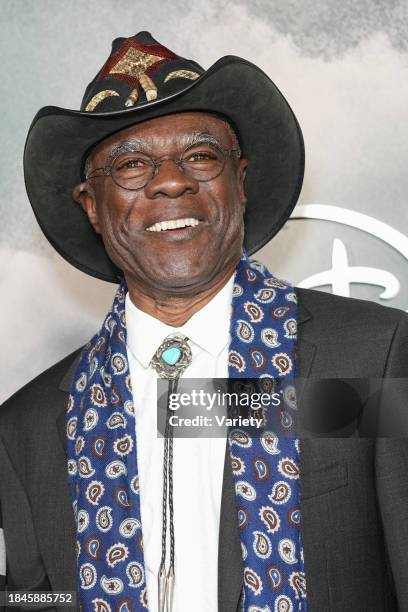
(173, 224)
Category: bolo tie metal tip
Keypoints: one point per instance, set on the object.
(166, 589)
(170, 589)
(162, 588)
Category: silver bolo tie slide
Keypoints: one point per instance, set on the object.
(170, 361)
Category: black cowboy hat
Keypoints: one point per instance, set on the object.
(142, 80)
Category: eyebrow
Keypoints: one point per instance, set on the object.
(138, 145)
(203, 138)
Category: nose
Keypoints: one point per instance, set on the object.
(170, 181)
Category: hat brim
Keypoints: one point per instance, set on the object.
(269, 135)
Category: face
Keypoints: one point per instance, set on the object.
(160, 258)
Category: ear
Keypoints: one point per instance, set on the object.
(242, 168)
(85, 196)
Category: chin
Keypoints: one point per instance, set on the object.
(179, 277)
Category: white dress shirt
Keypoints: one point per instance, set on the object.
(198, 463)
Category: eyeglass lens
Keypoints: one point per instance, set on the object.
(201, 162)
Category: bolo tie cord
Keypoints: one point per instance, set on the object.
(166, 583)
(170, 360)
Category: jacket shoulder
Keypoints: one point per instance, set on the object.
(339, 311)
(352, 338)
(44, 394)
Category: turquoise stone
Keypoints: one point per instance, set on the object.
(171, 355)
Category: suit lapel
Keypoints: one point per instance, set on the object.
(61, 427)
(54, 522)
(230, 564)
(306, 350)
(65, 385)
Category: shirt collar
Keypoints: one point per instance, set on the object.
(208, 327)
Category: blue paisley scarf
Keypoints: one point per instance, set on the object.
(102, 458)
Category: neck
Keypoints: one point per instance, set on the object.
(175, 311)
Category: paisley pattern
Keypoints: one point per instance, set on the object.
(102, 458)
(103, 472)
(265, 466)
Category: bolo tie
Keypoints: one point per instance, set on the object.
(170, 361)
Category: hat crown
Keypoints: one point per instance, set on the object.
(138, 71)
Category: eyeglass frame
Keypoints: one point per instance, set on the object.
(107, 170)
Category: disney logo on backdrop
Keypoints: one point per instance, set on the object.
(341, 275)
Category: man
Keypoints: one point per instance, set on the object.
(173, 170)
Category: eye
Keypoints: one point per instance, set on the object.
(131, 163)
(201, 156)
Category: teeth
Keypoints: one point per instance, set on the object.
(172, 224)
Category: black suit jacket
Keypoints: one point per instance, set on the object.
(354, 491)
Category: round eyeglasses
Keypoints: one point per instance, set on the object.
(133, 170)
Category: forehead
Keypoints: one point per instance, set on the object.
(168, 129)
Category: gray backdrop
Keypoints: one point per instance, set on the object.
(343, 67)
